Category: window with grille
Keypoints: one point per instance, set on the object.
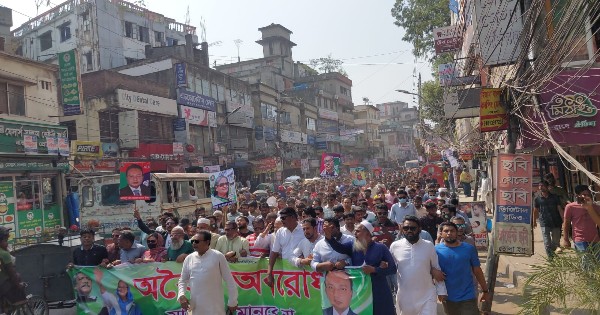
(46, 41)
(12, 99)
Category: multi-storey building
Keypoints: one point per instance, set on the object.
(366, 117)
(398, 130)
(106, 33)
(33, 146)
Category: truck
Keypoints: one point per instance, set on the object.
(178, 193)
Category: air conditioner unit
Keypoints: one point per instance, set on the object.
(335, 97)
(320, 92)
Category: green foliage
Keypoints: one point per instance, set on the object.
(419, 18)
(432, 109)
(569, 281)
(328, 64)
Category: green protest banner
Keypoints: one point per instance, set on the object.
(152, 289)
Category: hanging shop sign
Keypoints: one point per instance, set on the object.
(513, 232)
(499, 26)
(447, 39)
(180, 75)
(70, 84)
(492, 115)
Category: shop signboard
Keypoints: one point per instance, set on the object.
(513, 233)
(569, 106)
(70, 85)
(18, 137)
(447, 72)
(87, 148)
(492, 115)
(447, 39)
(195, 100)
(212, 168)
(7, 207)
(499, 25)
(180, 75)
(146, 102)
(328, 114)
(200, 117)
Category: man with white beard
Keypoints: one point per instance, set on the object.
(180, 247)
(415, 258)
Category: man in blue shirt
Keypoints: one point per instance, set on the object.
(459, 262)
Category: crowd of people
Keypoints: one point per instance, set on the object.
(404, 231)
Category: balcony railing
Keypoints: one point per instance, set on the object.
(59, 10)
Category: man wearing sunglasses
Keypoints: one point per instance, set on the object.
(416, 260)
(203, 272)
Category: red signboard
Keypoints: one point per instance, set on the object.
(447, 39)
(159, 155)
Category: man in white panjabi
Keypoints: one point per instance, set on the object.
(203, 271)
(416, 260)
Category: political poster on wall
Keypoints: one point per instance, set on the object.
(475, 211)
(330, 165)
(513, 233)
(151, 288)
(135, 181)
(358, 176)
(222, 187)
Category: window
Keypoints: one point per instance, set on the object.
(109, 126)
(286, 118)
(129, 29)
(144, 34)
(65, 32)
(268, 111)
(110, 195)
(270, 48)
(171, 41)
(343, 91)
(71, 129)
(158, 38)
(311, 123)
(46, 41)
(161, 131)
(89, 65)
(130, 60)
(46, 85)
(12, 99)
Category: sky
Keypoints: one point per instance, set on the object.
(359, 32)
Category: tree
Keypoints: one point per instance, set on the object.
(328, 64)
(432, 109)
(570, 280)
(419, 18)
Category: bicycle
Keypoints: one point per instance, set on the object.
(32, 305)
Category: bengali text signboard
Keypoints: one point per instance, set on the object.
(492, 115)
(513, 232)
(153, 288)
(68, 69)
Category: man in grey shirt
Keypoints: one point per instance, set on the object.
(131, 252)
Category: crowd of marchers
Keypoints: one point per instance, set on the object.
(403, 230)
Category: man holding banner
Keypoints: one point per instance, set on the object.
(204, 271)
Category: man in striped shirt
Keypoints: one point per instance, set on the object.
(259, 246)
